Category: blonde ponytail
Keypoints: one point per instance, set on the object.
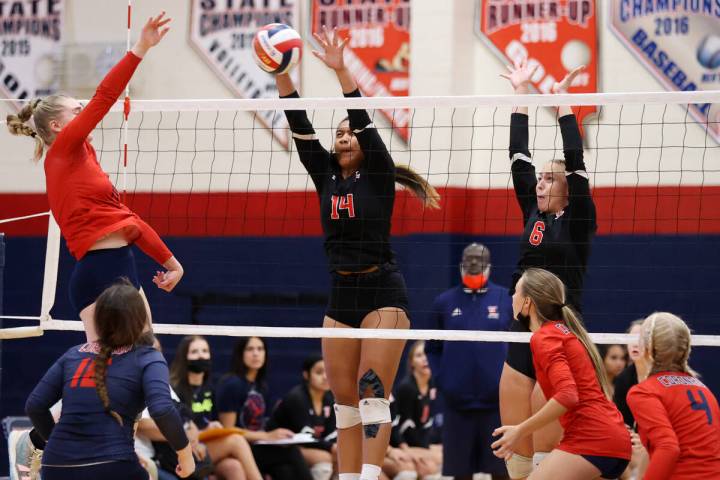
(42, 112)
(408, 178)
(17, 124)
(573, 322)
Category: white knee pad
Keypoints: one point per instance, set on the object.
(406, 475)
(346, 416)
(539, 457)
(374, 411)
(519, 466)
(321, 471)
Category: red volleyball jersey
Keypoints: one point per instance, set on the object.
(592, 424)
(82, 199)
(679, 423)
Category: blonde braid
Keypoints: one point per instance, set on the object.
(17, 125)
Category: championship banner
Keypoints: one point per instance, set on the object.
(222, 32)
(556, 35)
(378, 50)
(679, 43)
(30, 46)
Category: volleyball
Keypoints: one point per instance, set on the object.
(574, 54)
(277, 48)
(708, 52)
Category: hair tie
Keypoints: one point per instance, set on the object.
(33, 134)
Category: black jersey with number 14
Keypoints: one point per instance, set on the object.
(558, 242)
(355, 211)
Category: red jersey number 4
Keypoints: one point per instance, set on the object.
(536, 236)
(344, 202)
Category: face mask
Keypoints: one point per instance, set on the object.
(523, 319)
(200, 365)
(474, 282)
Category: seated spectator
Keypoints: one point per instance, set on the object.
(190, 376)
(308, 408)
(416, 404)
(615, 359)
(397, 464)
(242, 400)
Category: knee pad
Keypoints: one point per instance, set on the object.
(346, 416)
(539, 457)
(321, 471)
(406, 475)
(373, 413)
(519, 466)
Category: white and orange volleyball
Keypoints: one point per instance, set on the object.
(277, 48)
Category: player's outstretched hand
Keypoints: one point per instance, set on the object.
(152, 32)
(563, 85)
(332, 48)
(520, 75)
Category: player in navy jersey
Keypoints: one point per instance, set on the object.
(560, 222)
(104, 386)
(356, 188)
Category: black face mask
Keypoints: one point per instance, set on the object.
(200, 365)
(524, 320)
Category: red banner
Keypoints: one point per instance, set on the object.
(378, 50)
(557, 35)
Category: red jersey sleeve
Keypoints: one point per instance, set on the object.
(150, 243)
(107, 93)
(656, 433)
(554, 361)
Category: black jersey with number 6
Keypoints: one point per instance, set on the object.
(558, 242)
(355, 211)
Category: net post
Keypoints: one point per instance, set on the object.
(2, 290)
(52, 258)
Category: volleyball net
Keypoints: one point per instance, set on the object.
(216, 181)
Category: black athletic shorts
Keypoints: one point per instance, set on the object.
(519, 356)
(352, 297)
(98, 270)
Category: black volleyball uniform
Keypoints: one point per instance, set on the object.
(355, 215)
(557, 242)
(417, 411)
(297, 413)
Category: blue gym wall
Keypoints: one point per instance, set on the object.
(629, 277)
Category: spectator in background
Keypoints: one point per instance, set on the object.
(416, 405)
(622, 384)
(614, 359)
(308, 408)
(242, 401)
(629, 376)
(190, 377)
(468, 373)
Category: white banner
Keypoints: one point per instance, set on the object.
(222, 32)
(30, 42)
(679, 43)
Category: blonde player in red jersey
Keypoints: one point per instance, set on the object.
(677, 415)
(595, 442)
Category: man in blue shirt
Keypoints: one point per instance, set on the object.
(468, 373)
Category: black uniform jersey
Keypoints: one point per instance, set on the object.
(296, 412)
(416, 414)
(558, 242)
(355, 211)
